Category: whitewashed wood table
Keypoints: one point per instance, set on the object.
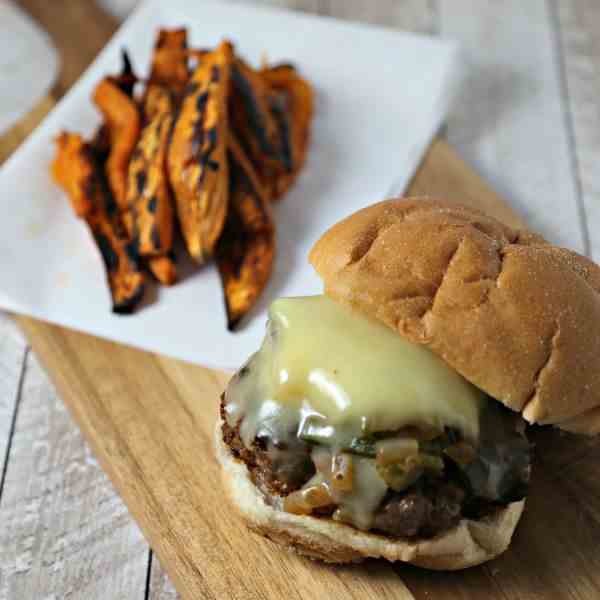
(528, 118)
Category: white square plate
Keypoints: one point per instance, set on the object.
(381, 95)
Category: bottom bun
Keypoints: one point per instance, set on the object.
(468, 543)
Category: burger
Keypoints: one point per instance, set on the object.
(387, 417)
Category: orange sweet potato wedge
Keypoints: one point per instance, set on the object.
(78, 172)
(163, 268)
(246, 249)
(197, 155)
(148, 192)
(170, 60)
(122, 119)
(255, 124)
(72, 170)
(112, 149)
(292, 105)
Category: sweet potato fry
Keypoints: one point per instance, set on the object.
(197, 163)
(159, 114)
(163, 268)
(127, 78)
(148, 193)
(76, 169)
(122, 119)
(246, 249)
(73, 172)
(255, 123)
(125, 278)
(292, 107)
(170, 60)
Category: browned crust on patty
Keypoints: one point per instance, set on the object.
(471, 542)
(256, 459)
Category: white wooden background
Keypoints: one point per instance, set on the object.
(528, 118)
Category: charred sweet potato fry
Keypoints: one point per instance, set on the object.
(170, 60)
(246, 249)
(255, 123)
(127, 78)
(122, 119)
(125, 278)
(148, 193)
(75, 169)
(155, 222)
(197, 156)
(112, 147)
(163, 268)
(291, 103)
(208, 142)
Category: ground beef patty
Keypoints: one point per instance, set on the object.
(277, 467)
(422, 511)
(427, 508)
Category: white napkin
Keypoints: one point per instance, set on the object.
(381, 95)
(28, 64)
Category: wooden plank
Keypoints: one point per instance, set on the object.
(577, 23)
(64, 530)
(12, 360)
(150, 421)
(161, 587)
(508, 120)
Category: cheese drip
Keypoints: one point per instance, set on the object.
(326, 368)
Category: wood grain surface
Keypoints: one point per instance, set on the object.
(12, 362)
(508, 120)
(150, 422)
(517, 131)
(63, 511)
(578, 42)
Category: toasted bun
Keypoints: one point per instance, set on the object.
(469, 543)
(514, 315)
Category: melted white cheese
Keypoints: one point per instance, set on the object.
(324, 363)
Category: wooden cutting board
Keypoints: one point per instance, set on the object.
(150, 422)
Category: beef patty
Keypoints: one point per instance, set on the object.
(430, 506)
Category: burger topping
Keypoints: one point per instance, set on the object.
(349, 421)
(344, 376)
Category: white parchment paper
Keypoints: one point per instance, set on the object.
(381, 95)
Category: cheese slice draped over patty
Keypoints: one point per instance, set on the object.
(325, 370)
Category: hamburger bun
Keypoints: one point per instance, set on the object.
(516, 316)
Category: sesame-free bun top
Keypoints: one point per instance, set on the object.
(513, 314)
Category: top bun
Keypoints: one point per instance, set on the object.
(513, 314)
